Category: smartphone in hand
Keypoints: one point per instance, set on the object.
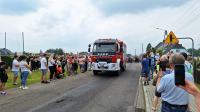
(179, 73)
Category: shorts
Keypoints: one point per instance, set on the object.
(3, 78)
(44, 71)
(15, 73)
(144, 74)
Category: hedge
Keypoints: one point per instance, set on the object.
(8, 60)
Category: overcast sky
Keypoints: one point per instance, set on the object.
(73, 24)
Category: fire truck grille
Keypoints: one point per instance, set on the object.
(108, 60)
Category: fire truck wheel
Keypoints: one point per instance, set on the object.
(117, 73)
(95, 72)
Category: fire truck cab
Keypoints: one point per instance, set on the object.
(108, 55)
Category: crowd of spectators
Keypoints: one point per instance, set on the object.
(55, 65)
(161, 70)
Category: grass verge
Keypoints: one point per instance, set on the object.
(35, 77)
(32, 78)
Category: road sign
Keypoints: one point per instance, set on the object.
(171, 39)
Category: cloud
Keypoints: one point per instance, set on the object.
(18, 7)
(111, 7)
(73, 24)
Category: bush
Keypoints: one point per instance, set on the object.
(8, 60)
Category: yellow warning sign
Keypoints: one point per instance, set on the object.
(171, 39)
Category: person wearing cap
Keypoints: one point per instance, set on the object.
(44, 69)
(15, 69)
(3, 78)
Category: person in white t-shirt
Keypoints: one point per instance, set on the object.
(15, 69)
(25, 69)
(44, 69)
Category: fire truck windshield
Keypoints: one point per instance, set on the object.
(104, 47)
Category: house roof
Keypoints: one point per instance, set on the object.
(4, 51)
(168, 48)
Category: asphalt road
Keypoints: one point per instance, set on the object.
(81, 93)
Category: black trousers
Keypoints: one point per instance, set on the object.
(52, 71)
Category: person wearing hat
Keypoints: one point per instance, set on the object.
(3, 78)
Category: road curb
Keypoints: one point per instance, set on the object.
(147, 106)
(140, 105)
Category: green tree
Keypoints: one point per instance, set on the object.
(196, 51)
(159, 51)
(57, 51)
(149, 47)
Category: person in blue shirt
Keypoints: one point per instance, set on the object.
(165, 69)
(174, 99)
(145, 70)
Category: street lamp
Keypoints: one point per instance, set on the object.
(165, 33)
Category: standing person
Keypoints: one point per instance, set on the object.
(90, 63)
(15, 69)
(188, 65)
(153, 63)
(165, 69)
(25, 68)
(86, 63)
(82, 64)
(44, 69)
(174, 99)
(69, 65)
(63, 64)
(51, 64)
(145, 70)
(75, 65)
(3, 78)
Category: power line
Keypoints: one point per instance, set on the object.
(187, 12)
(194, 12)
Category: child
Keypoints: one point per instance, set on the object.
(59, 73)
(3, 78)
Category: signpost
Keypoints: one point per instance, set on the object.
(171, 39)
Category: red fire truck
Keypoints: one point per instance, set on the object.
(108, 55)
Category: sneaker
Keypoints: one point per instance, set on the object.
(20, 87)
(42, 81)
(147, 82)
(3, 93)
(24, 88)
(46, 82)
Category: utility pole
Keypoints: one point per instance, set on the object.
(135, 52)
(23, 41)
(142, 48)
(5, 40)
